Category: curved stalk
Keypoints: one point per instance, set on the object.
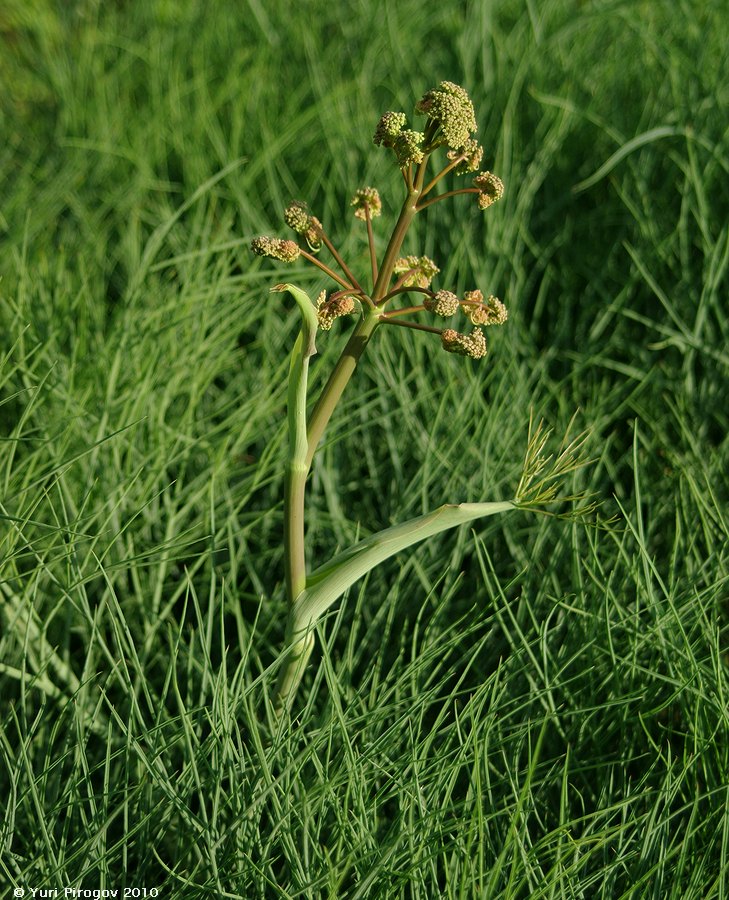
(371, 243)
(342, 264)
(445, 196)
(443, 172)
(385, 320)
(404, 311)
(326, 270)
(303, 440)
(296, 656)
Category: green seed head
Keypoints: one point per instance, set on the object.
(497, 310)
(313, 234)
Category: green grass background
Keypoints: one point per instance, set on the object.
(532, 708)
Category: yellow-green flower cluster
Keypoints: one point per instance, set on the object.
(276, 248)
(407, 144)
(329, 310)
(444, 303)
(451, 122)
(490, 187)
(450, 109)
(298, 218)
(484, 312)
(421, 270)
(408, 147)
(367, 200)
(470, 156)
(388, 128)
(473, 344)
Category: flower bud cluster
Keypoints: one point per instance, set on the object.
(484, 312)
(276, 248)
(470, 156)
(298, 218)
(388, 128)
(367, 200)
(408, 147)
(490, 187)
(444, 303)
(451, 124)
(329, 310)
(421, 270)
(450, 109)
(473, 344)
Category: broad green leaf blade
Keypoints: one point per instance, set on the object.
(331, 580)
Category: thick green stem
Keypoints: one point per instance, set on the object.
(407, 214)
(338, 379)
(292, 670)
(294, 557)
(298, 646)
(347, 363)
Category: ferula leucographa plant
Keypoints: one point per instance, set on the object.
(447, 144)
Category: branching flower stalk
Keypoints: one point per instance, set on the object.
(450, 124)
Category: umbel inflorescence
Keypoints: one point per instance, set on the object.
(450, 126)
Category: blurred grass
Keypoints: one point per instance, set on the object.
(536, 709)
